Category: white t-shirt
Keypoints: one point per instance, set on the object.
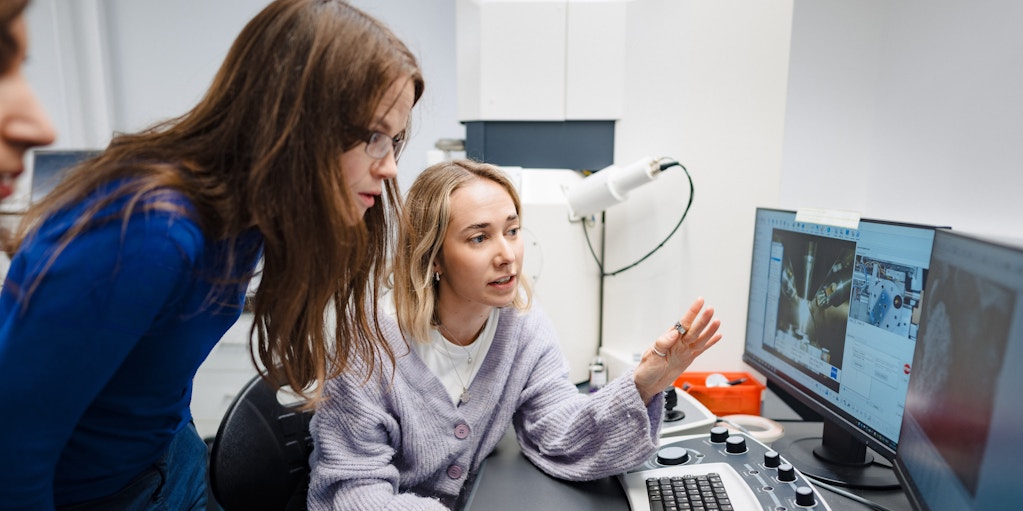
(455, 366)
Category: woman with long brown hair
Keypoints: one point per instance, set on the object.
(131, 270)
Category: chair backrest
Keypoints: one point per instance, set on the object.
(260, 456)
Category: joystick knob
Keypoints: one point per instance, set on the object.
(804, 497)
(718, 434)
(735, 445)
(786, 473)
(672, 456)
(772, 459)
(670, 402)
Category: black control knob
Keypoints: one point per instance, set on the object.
(735, 445)
(670, 402)
(674, 415)
(804, 497)
(772, 459)
(718, 434)
(786, 473)
(672, 456)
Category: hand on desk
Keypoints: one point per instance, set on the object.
(673, 351)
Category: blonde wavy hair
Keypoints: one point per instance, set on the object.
(421, 233)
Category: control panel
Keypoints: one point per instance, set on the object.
(731, 470)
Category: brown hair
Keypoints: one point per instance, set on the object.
(262, 149)
(427, 213)
(9, 11)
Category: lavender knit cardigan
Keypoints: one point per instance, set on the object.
(402, 444)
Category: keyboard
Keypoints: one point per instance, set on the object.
(646, 489)
(719, 471)
(689, 492)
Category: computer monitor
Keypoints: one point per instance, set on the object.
(832, 322)
(50, 165)
(960, 445)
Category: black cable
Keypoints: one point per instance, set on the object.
(600, 263)
(847, 494)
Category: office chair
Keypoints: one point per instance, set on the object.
(260, 456)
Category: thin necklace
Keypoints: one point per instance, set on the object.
(468, 351)
(464, 396)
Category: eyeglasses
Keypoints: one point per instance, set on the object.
(380, 144)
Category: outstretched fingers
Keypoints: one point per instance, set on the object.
(693, 326)
(698, 329)
(691, 315)
(709, 337)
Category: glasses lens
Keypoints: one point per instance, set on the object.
(378, 145)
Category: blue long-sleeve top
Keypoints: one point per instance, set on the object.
(96, 371)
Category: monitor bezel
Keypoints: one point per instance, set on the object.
(830, 414)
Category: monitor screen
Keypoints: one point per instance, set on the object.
(832, 321)
(959, 446)
(50, 165)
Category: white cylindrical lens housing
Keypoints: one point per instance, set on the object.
(608, 187)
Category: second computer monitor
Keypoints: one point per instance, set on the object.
(960, 444)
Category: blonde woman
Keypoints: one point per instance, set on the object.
(472, 359)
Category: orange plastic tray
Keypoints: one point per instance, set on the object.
(742, 398)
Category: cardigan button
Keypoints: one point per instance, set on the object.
(454, 471)
(462, 431)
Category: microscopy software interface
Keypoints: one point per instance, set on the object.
(841, 307)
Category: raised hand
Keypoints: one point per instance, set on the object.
(676, 349)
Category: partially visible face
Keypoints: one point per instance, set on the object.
(23, 122)
(364, 174)
(481, 255)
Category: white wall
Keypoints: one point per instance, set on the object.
(149, 60)
(909, 110)
(905, 110)
(706, 86)
(162, 56)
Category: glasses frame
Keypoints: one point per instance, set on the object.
(377, 145)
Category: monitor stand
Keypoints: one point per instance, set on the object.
(838, 458)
